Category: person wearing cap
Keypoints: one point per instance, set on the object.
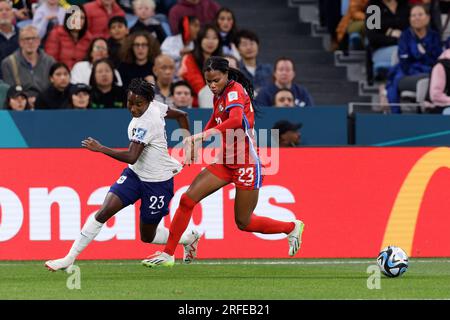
(80, 96)
(289, 134)
(16, 99)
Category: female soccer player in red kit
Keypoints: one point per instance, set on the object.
(233, 111)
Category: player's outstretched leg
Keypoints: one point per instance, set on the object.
(177, 228)
(90, 230)
(245, 203)
(202, 186)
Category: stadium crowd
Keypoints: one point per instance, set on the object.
(48, 50)
(410, 44)
(56, 56)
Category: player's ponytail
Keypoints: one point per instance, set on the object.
(221, 64)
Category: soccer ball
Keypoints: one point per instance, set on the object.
(393, 261)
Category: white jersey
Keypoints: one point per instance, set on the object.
(154, 164)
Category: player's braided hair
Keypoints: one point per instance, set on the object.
(141, 87)
(218, 63)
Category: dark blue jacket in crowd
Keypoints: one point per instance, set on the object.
(262, 77)
(412, 61)
(266, 95)
(8, 46)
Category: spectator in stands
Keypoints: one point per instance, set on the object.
(16, 99)
(284, 98)
(205, 96)
(247, 43)
(81, 71)
(29, 66)
(204, 10)
(207, 45)
(289, 134)
(330, 15)
(226, 23)
(164, 71)
(433, 7)
(69, 44)
(9, 34)
(178, 45)
(98, 14)
(353, 24)
(57, 95)
(48, 15)
(32, 96)
(145, 11)
(284, 75)
(105, 91)
(383, 42)
(182, 95)
(439, 92)
(22, 10)
(80, 96)
(138, 55)
(164, 6)
(419, 49)
(118, 31)
(126, 5)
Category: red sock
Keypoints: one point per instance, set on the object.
(268, 226)
(179, 223)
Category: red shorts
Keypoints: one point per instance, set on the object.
(247, 176)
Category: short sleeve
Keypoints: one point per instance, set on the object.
(234, 98)
(143, 133)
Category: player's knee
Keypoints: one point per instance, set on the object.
(103, 215)
(241, 223)
(186, 202)
(147, 238)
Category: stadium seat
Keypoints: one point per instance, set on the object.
(446, 111)
(422, 89)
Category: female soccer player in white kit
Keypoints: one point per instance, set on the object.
(149, 176)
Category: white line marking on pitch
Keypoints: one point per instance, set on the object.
(244, 262)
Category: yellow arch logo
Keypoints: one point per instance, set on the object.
(403, 219)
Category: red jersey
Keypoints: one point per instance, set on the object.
(239, 145)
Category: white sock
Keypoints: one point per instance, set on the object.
(162, 235)
(89, 231)
(186, 237)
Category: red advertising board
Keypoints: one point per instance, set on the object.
(353, 202)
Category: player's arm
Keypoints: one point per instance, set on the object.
(128, 156)
(233, 122)
(210, 123)
(181, 117)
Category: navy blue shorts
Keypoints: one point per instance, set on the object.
(155, 196)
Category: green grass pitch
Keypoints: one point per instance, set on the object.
(226, 279)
